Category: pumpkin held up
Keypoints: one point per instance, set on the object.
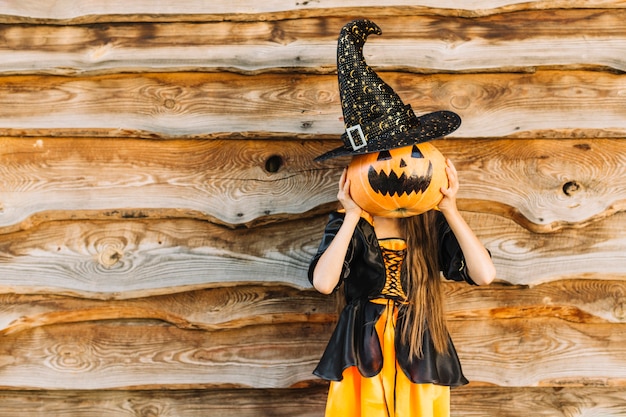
(395, 171)
(400, 182)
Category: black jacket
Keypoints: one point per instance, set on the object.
(354, 341)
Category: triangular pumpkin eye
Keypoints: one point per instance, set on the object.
(416, 153)
(383, 155)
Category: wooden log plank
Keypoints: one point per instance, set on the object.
(167, 105)
(125, 259)
(521, 257)
(540, 352)
(569, 37)
(213, 309)
(305, 402)
(578, 301)
(228, 182)
(542, 401)
(147, 355)
(467, 402)
(139, 257)
(144, 354)
(65, 11)
(301, 402)
(543, 104)
(544, 185)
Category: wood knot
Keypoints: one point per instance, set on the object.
(70, 357)
(570, 188)
(460, 102)
(150, 411)
(110, 256)
(169, 104)
(274, 163)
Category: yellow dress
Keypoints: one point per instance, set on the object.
(389, 393)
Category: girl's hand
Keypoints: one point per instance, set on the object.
(344, 196)
(448, 203)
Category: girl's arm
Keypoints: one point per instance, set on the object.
(328, 268)
(479, 264)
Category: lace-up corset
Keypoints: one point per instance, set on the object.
(394, 251)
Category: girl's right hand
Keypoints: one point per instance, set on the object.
(344, 196)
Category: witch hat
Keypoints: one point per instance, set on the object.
(375, 117)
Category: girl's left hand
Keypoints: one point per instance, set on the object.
(449, 194)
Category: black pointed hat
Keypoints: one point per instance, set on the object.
(375, 117)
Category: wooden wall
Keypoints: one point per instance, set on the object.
(159, 204)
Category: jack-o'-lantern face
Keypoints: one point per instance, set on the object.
(400, 182)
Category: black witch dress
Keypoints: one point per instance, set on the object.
(355, 341)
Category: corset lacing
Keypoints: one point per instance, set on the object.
(393, 251)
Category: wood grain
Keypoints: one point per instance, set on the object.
(574, 38)
(557, 334)
(135, 257)
(576, 301)
(65, 11)
(143, 354)
(305, 402)
(159, 204)
(542, 351)
(148, 354)
(523, 257)
(226, 182)
(543, 184)
(301, 402)
(227, 307)
(547, 402)
(583, 301)
(122, 259)
(174, 105)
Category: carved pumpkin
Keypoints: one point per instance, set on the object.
(400, 182)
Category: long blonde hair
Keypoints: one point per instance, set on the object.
(424, 288)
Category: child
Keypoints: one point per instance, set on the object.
(390, 354)
(375, 372)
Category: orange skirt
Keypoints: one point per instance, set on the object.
(390, 393)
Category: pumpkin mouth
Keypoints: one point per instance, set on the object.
(391, 184)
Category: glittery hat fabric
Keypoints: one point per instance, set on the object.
(375, 117)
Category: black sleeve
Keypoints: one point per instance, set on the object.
(332, 227)
(451, 259)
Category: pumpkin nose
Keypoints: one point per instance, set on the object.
(402, 163)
